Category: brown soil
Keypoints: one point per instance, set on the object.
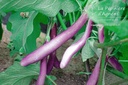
(5, 59)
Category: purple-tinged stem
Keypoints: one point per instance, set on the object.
(55, 43)
(42, 74)
(87, 66)
(70, 51)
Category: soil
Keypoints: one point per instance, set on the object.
(5, 59)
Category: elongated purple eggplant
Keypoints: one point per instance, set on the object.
(42, 74)
(55, 43)
(95, 74)
(101, 34)
(52, 56)
(70, 51)
(115, 64)
(56, 63)
(50, 63)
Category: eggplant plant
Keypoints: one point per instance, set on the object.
(98, 27)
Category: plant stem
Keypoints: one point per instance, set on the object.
(50, 25)
(87, 67)
(102, 65)
(78, 14)
(110, 44)
(117, 73)
(70, 18)
(74, 16)
(106, 36)
(61, 21)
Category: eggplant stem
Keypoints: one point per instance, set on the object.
(61, 21)
(70, 18)
(110, 44)
(87, 65)
(102, 65)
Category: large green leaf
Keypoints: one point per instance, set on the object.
(31, 40)
(106, 12)
(18, 75)
(87, 51)
(47, 7)
(124, 51)
(121, 29)
(22, 30)
(109, 13)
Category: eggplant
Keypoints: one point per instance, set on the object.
(55, 43)
(70, 51)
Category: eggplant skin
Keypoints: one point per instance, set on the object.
(71, 50)
(43, 70)
(95, 74)
(55, 43)
(115, 64)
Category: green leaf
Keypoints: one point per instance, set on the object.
(121, 29)
(23, 32)
(18, 75)
(50, 80)
(40, 18)
(124, 52)
(106, 12)
(47, 7)
(69, 5)
(31, 40)
(87, 51)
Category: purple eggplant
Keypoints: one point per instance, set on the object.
(70, 51)
(115, 64)
(42, 74)
(101, 34)
(50, 63)
(52, 57)
(55, 43)
(56, 63)
(95, 74)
